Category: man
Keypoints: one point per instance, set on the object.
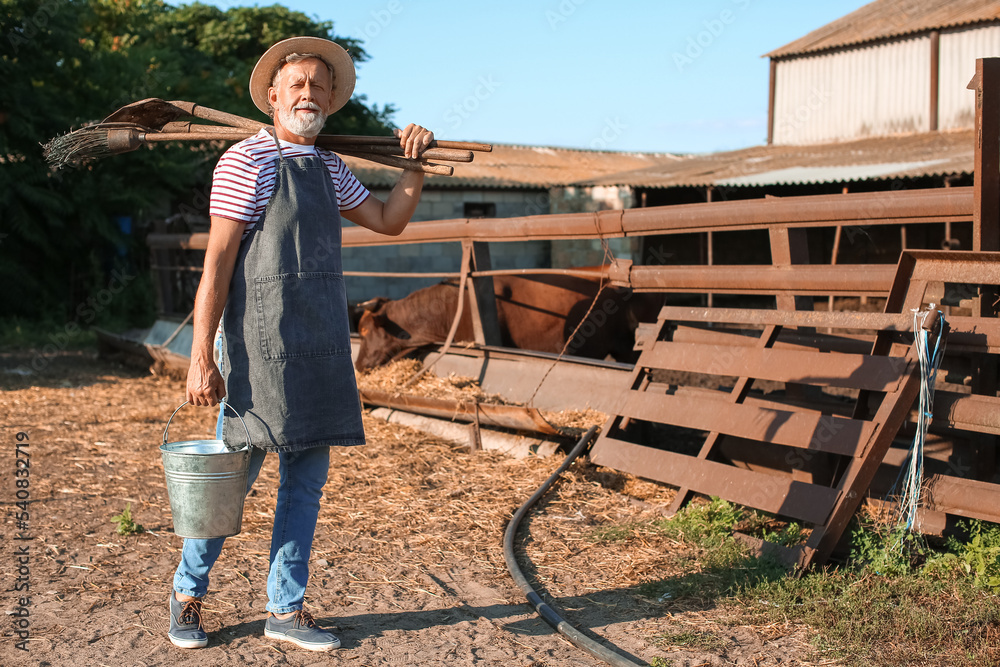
(273, 275)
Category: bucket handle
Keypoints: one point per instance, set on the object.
(223, 403)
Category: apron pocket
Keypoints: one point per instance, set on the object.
(302, 315)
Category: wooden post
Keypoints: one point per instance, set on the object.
(711, 261)
(986, 228)
(986, 188)
(788, 246)
(482, 298)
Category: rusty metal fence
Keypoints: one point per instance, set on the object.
(870, 442)
(787, 222)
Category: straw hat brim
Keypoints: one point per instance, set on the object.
(332, 53)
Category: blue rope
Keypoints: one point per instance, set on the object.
(911, 475)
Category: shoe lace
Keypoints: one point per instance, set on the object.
(190, 613)
(306, 619)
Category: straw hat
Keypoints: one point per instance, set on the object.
(332, 53)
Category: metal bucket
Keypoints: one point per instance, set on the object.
(206, 483)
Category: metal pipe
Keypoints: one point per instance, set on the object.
(882, 208)
(862, 208)
(396, 274)
(515, 417)
(801, 279)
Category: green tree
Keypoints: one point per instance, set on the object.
(65, 63)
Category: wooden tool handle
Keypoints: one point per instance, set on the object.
(194, 132)
(358, 150)
(331, 142)
(393, 141)
(403, 163)
(193, 136)
(187, 126)
(452, 151)
(205, 113)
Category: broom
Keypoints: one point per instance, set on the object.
(105, 139)
(153, 121)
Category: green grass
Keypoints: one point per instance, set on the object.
(867, 619)
(694, 639)
(901, 599)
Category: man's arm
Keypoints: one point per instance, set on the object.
(390, 217)
(205, 385)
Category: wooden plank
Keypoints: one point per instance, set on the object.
(858, 371)
(778, 495)
(803, 430)
(968, 330)
(827, 405)
(799, 280)
(789, 247)
(858, 476)
(737, 395)
(482, 300)
(838, 319)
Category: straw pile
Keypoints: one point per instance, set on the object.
(392, 377)
(407, 550)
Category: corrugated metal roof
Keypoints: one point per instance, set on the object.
(535, 167)
(831, 174)
(907, 156)
(891, 18)
(525, 167)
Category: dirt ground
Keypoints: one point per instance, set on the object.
(407, 566)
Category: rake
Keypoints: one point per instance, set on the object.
(154, 120)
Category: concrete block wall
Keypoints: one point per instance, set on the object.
(422, 258)
(445, 257)
(590, 252)
(588, 199)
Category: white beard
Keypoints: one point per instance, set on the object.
(308, 126)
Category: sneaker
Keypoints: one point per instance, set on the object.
(301, 630)
(185, 623)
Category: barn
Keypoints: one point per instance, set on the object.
(874, 101)
(893, 67)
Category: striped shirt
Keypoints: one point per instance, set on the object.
(244, 178)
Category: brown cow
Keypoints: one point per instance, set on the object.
(534, 312)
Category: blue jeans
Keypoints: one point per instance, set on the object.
(302, 476)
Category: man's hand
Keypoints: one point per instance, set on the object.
(205, 386)
(414, 139)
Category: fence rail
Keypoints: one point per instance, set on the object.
(856, 209)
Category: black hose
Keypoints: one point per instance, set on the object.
(577, 638)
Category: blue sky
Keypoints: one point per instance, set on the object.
(666, 76)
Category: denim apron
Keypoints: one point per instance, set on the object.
(286, 337)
